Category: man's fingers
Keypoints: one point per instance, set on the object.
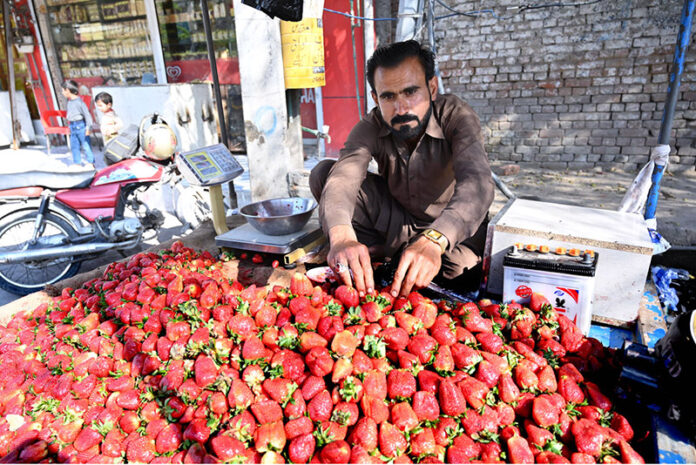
(401, 270)
(367, 268)
(410, 280)
(358, 275)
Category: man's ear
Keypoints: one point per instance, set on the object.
(432, 85)
(374, 97)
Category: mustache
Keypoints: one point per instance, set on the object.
(404, 119)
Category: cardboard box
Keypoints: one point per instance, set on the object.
(620, 239)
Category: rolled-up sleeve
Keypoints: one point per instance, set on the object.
(341, 189)
(474, 187)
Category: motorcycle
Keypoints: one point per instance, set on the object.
(55, 221)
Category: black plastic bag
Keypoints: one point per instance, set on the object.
(287, 10)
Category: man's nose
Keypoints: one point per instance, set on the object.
(402, 106)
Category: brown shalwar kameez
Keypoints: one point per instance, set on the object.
(444, 184)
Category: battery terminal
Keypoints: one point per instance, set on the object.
(574, 252)
(544, 249)
(561, 250)
(530, 247)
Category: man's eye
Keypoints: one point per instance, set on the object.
(410, 91)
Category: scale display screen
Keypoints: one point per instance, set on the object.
(209, 166)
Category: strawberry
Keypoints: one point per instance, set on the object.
(425, 406)
(525, 377)
(452, 401)
(423, 443)
(426, 312)
(403, 416)
(465, 358)
(267, 411)
(312, 386)
(373, 312)
(348, 296)
(205, 370)
(392, 442)
(227, 448)
(168, 439)
(320, 407)
(518, 450)
(32, 453)
(579, 457)
(588, 437)
(422, 346)
(335, 452)
(628, 455)
(344, 344)
(444, 362)
(474, 391)
(375, 384)
(570, 370)
(270, 436)
(88, 437)
(569, 389)
(374, 408)
(596, 397)
(490, 342)
(365, 434)
(279, 389)
(298, 427)
(301, 449)
(400, 384)
(547, 380)
(545, 413)
(396, 338)
(408, 322)
(487, 373)
(301, 285)
(141, 450)
(621, 426)
(341, 369)
(463, 450)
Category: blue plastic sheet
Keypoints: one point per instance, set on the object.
(663, 277)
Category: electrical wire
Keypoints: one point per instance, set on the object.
(363, 18)
(472, 14)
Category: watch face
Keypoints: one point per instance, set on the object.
(434, 234)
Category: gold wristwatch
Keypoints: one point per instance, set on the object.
(437, 237)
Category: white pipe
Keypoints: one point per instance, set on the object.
(369, 34)
(47, 69)
(319, 106)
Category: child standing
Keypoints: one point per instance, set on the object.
(80, 121)
(109, 123)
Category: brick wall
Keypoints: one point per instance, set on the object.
(571, 87)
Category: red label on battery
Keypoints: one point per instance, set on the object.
(523, 291)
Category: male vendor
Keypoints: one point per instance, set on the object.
(431, 197)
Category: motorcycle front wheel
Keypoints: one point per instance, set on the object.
(27, 277)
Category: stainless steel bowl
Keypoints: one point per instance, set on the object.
(278, 217)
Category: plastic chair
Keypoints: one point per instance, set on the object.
(51, 128)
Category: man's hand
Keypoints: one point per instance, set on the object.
(346, 254)
(419, 264)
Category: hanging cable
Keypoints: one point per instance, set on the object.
(362, 18)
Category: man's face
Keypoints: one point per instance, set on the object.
(404, 97)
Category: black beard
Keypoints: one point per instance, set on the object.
(408, 132)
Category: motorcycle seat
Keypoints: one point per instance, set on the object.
(47, 179)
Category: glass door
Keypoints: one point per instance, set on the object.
(184, 44)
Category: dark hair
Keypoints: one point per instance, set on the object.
(71, 86)
(104, 97)
(392, 55)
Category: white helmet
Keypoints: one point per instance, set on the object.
(157, 140)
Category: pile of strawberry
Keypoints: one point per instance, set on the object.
(163, 359)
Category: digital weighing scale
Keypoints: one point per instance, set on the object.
(292, 246)
(213, 165)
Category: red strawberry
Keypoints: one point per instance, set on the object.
(396, 338)
(518, 450)
(301, 285)
(301, 449)
(544, 411)
(312, 386)
(365, 434)
(474, 391)
(239, 395)
(403, 416)
(426, 312)
(374, 408)
(423, 443)
(444, 363)
(628, 455)
(298, 427)
(452, 401)
(392, 442)
(547, 380)
(400, 384)
(596, 397)
(507, 389)
(569, 389)
(335, 452)
(168, 439)
(588, 437)
(348, 296)
(465, 358)
(320, 407)
(205, 370)
(319, 361)
(227, 448)
(375, 384)
(344, 344)
(267, 411)
(621, 426)
(525, 377)
(425, 406)
(373, 312)
(141, 450)
(423, 347)
(490, 342)
(88, 437)
(197, 431)
(487, 373)
(463, 450)
(270, 436)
